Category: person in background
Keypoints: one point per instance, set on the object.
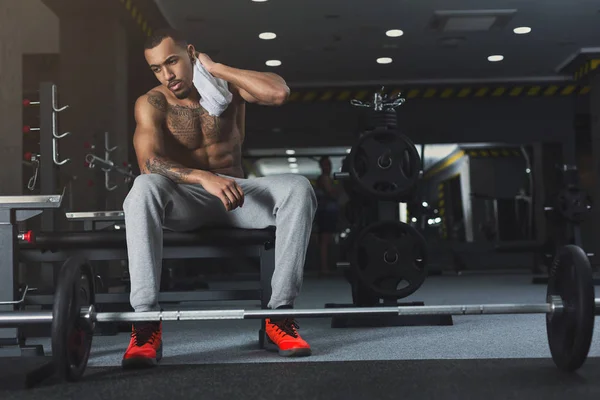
(327, 213)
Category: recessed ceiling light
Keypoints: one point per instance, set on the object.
(290, 152)
(495, 58)
(267, 36)
(273, 63)
(384, 60)
(292, 159)
(294, 165)
(523, 30)
(259, 1)
(394, 33)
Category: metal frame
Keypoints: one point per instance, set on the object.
(14, 209)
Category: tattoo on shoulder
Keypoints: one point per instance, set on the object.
(169, 169)
(158, 101)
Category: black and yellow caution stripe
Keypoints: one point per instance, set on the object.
(442, 209)
(445, 163)
(137, 16)
(442, 92)
(480, 152)
(494, 152)
(587, 68)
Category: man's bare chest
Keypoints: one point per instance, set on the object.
(195, 127)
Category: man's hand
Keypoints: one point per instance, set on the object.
(255, 87)
(226, 189)
(206, 61)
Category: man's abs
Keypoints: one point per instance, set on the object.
(222, 158)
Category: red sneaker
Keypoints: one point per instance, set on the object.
(283, 336)
(145, 346)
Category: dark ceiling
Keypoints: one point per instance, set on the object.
(323, 43)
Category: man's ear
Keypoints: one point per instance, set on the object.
(191, 50)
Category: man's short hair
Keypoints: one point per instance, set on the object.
(161, 34)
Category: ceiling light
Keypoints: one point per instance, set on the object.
(259, 1)
(292, 159)
(394, 33)
(523, 30)
(267, 36)
(290, 152)
(384, 60)
(273, 63)
(294, 170)
(495, 58)
(293, 165)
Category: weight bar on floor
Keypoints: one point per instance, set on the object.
(570, 311)
(89, 316)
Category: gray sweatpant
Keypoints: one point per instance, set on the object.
(155, 202)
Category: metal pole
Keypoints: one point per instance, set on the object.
(47, 168)
(24, 317)
(324, 313)
(341, 175)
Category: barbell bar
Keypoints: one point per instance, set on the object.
(88, 315)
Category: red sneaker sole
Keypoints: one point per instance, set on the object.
(299, 352)
(139, 363)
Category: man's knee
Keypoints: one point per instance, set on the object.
(145, 187)
(302, 190)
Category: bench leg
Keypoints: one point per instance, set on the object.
(267, 269)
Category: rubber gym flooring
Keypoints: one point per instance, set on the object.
(492, 357)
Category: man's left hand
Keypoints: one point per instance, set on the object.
(208, 63)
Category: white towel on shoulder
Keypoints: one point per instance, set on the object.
(214, 92)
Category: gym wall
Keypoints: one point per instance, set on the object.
(510, 120)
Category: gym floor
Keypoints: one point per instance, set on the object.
(496, 356)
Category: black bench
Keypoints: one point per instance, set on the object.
(205, 243)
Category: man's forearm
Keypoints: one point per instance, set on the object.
(173, 170)
(265, 86)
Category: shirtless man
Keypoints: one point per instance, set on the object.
(191, 176)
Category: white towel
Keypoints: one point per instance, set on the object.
(214, 92)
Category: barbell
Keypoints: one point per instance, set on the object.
(569, 308)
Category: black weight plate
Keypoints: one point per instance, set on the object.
(570, 332)
(389, 258)
(384, 164)
(71, 338)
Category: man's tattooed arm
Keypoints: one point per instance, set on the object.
(168, 168)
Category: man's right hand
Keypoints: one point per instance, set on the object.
(226, 189)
